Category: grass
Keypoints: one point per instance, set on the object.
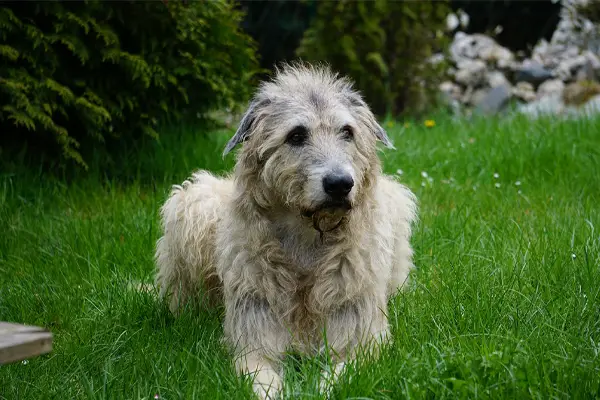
(506, 302)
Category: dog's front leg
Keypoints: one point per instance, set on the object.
(357, 326)
(260, 341)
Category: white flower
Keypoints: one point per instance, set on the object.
(497, 185)
(518, 183)
(424, 174)
(573, 256)
(25, 362)
(496, 175)
(519, 192)
(399, 171)
(423, 184)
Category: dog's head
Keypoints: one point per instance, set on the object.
(310, 143)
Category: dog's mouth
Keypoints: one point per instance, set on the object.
(328, 216)
(330, 207)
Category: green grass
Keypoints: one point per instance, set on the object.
(506, 302)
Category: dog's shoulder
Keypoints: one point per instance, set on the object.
(395, 199)
(205, 185)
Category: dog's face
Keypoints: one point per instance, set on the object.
(311, 142)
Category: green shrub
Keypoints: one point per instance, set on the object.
(79, 74)
(383, 46)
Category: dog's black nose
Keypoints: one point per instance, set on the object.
(338, 185)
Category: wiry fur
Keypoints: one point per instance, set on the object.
(252, 239)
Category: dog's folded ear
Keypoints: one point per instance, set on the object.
(246, 125)
(382, 135)
(367, 117)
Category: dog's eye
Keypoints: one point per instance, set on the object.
(297, 136)
(347, 133)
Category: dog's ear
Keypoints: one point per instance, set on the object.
(381, 134)
(245, 126)
(369, 119)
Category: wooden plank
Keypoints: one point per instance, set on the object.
(19, 342)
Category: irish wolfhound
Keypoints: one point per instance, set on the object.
(307, 239)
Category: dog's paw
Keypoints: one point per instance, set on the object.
(267, 384)
(329, 377)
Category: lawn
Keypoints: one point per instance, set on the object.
(506, 302)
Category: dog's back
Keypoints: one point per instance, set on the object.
(185, 253)
(397, 207)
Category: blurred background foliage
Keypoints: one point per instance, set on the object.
(86, 78)
(384, 47)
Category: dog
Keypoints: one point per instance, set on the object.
(305, 241)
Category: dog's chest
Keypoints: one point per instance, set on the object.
(300, 246)
(304, 256)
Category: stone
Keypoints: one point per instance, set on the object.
(464, 19)
(496, 78)
(592, 107)
(550, 88)
(585, 73)
(524, 91)
(478, 96)
(451, 89)
(485, 75)
(478, 47)
(574, 30)
(549, 105)
(452, 22)
(593, 60)
(469, 46)
(471, 73)
(452, 104)
(498, 55)
(532, 72)
(568, 68)
(579, 93)
(467, 95)
(589, 109)
(495, 100)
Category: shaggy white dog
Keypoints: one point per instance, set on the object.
(307, 237)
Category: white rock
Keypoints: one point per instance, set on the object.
(464, 19)
(549, 105)
(499, 55)
(478, 96)
(550, 88)
(568, 68)
(452, 22)
(496, 78)
(469, 46)
(592, 107)
(494, 100)
(451, 89)
(524, 91)
(574, 30)
(471, 73)
(593, 60)
(467, 95)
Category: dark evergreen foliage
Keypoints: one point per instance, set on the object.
(76, 74)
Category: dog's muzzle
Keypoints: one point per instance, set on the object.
(329, 216)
